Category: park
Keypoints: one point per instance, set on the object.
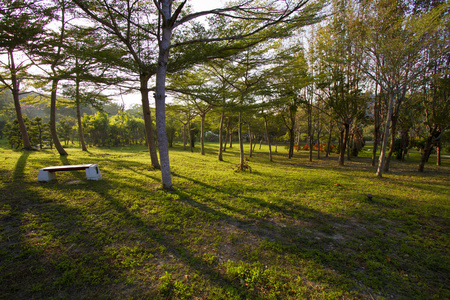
(289, 229)
(249, 149)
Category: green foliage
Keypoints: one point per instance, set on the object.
(120, 129)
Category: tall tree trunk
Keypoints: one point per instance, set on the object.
(250, 139)
(394, 122)
(349, 144)
(329, 139)
(80, 126)
(318, 144)
(291, 142)
(160, 97)
(202, 134)
(377, 124)
(191, 148)
(222, 115)
(343, 143)
(385, 136)
(241, 143)
(310, 130)
(53, 132)
(148, 124)
(184, 136)
(227, 134)
(268, 138)
(311, 137)
(392, 145)
(431, 140)
(15, 93)
(231, 139)
(426, 153)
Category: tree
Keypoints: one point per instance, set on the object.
(89, 55)
(21, 26)
(178, 32)
(336, 75)
(435, 101)
(390, 44)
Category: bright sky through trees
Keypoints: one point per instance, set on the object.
(198, 5)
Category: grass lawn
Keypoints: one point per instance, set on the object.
(290, 229)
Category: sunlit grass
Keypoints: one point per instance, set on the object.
(289, 229)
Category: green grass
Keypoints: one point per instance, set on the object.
(290, 229)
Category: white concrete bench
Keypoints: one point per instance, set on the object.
(48, 173)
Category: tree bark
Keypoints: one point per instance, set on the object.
(343, 143)
(202, 134)
(191, 148)
(385, 136)
(392, 145)
(80, 126)
(53, 132)
(160, 98)
(250, 139)
(329, 140)
(227, 134)
(268, 138)
(148, 124)
(221, 136)
(376, 131)
(15, 92)
(241, 143)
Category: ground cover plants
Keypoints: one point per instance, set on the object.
(290, 229)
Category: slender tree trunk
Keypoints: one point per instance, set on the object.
(392, 145)
(227, 134)
(231, 139)
(311, 137)
(160, 98)
(250, 139)
(268, 138)
(376, 131)
(148, 124)
(15, 93)
(343, 143)
(329, 140)
(202, 134)
(291, 142)
(385, 136)
(431, 140)
(318, 144)
(260, 143)
(77, 101)
(184, 136)
(53, 132)
(191, 148)
(426, 153)
(310, 130)
(241, 143)
(221, 136)
(349, 143)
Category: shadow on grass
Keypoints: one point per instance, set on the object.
(19, 168)
(114, 239)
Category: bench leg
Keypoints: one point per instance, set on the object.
(93, 173)
(46, 175)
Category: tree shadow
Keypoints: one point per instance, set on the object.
(19, 168)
